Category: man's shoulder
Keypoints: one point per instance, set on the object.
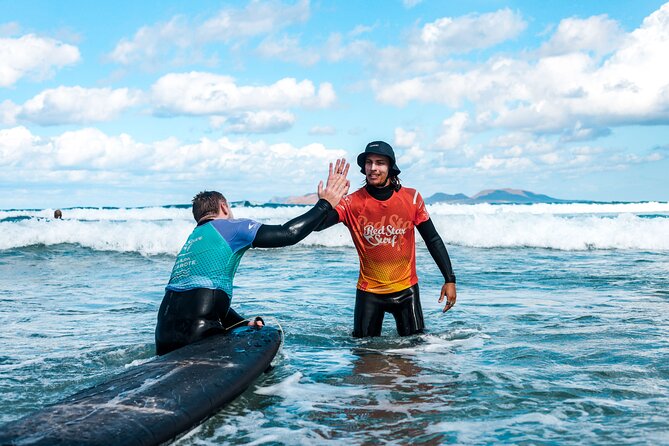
(410, 194)
(356, 196)
(230, 226)
(408, 190)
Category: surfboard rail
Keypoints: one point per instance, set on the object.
(156, 401)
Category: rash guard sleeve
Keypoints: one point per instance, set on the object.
(275, 236)
(435, 245)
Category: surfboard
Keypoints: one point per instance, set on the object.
(157, 401)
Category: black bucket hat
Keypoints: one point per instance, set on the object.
(379, 148)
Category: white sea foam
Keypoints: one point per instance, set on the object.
(162, 230)
(145, 237)
(652, 207)
(105, 214)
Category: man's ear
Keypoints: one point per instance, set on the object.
(225, 209)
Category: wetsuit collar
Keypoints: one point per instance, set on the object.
(380, 193)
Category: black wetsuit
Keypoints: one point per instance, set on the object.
(186, 316)
(404, 305)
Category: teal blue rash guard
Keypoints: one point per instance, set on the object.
(211, 255)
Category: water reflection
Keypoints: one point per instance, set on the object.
(401, 400)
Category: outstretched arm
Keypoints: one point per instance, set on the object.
(274, 236)
(435, 245)
(331, 219)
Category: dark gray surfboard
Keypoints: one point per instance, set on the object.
(156, 401)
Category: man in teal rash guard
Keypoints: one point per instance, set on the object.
(197, 297)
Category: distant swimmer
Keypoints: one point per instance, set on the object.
(58, 214)
(381, 217)
(198, 295)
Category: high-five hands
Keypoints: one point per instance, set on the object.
(337, 184)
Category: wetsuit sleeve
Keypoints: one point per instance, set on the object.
(274, 236)
(331, 219)
(336, 215)
(437, 249)
(232, 319)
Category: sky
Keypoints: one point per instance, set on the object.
(130, 103)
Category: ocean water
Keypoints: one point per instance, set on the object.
(559, 336)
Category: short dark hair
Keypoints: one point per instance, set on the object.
(207, 202)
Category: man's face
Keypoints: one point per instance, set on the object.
(376, 170)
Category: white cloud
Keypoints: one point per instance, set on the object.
(471, 32)
(580, 133)
(70, 105)
(337, 48)
(33, 56)
(198, 93)
(598, 34)
(490, 162)
(182, 40)
(89, 154)
(405, 138)
(288, 49)
(259, 17)
(455, 131)
(16, 144)
(411, 3)
(323, 130)
(427, 49)
(261, 122)
(551, 93)
(8, 112)
(423, 50)
(153, 42)
(91, 149)
(552, 158)
(511, 139)
(412, 156)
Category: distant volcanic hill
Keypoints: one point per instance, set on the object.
(441, 197)
(496, 196)
(512, 196)
(301, 199)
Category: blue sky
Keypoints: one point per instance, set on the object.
(147, 103)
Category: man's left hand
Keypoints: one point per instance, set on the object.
(448, 291)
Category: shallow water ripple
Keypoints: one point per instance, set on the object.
(543, 347)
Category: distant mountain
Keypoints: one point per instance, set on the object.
(301, 199)
(440, 197)
(513, 196)
(498, 196)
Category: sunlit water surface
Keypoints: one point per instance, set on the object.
(545, 346)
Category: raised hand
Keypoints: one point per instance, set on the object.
(337, 184)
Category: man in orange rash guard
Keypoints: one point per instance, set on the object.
(381, 217)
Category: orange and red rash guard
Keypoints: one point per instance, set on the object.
(383, 233)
